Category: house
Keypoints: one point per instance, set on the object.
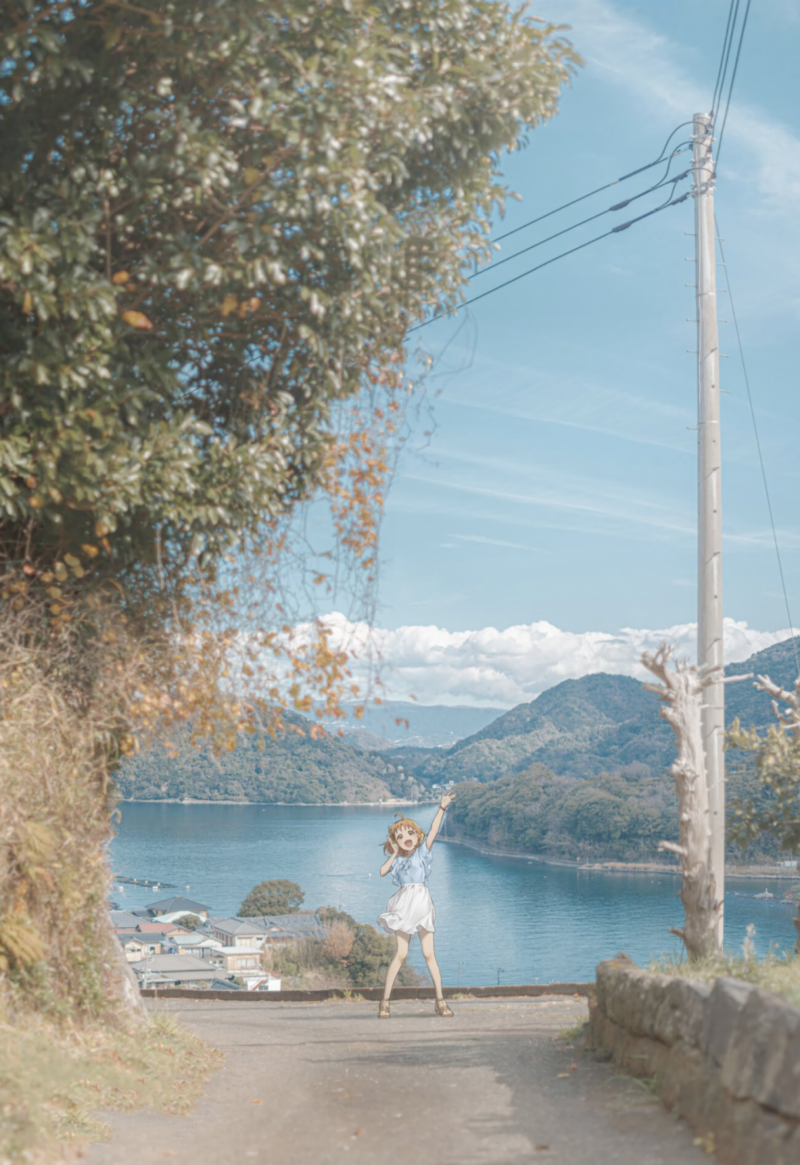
(302, 924)
(124, 919)
(202, 947)
(175, 971)
(238, 961)
(176, 915)
(261, 982)
(138, 946)
(240, 932)
(158, 927)
(177, 905)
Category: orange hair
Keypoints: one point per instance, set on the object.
(407, 823)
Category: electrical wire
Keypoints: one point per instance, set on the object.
(733, 78)
(758, 445)
(599, 190)
(563, 254)
(727, 41)
(617, 206)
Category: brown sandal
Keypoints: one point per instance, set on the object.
(442, 1008)
(383, 1010)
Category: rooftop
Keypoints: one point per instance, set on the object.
(185, 905)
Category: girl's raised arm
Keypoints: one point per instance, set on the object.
(447, 799)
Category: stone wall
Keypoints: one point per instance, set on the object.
(726, 1058)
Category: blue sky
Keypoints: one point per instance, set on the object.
(558, 486)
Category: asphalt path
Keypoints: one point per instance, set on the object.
(309, 1084)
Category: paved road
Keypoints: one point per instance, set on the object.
(309, 1084)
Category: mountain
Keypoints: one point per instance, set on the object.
(401, 723)
(290, 768)
(599, 723)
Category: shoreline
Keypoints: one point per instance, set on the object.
(617, 867)
(774, 873)
(264, 804)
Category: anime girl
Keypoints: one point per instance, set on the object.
(410, 910)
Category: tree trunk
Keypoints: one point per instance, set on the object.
(681, 692)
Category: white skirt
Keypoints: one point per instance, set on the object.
(410, 910)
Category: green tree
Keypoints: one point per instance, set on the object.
(773, 810)
(277, 896)
(190, 921)
(217, 223)
(369, 957)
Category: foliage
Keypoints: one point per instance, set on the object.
(583, 728)
(619, 816)
(54, 1080)
(54, 819)
(216, 225)
(775, 756)
(339, 942)
(351, 955)
(290, 767)
(276, 896)
(614, 817)
(189, 921)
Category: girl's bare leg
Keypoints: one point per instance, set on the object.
(399, 958)
(426, 942)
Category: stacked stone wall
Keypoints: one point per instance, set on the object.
(725, 1057)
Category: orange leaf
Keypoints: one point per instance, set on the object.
(120, 277)
(136, 319)
(229, 304)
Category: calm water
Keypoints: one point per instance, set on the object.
(495, 917)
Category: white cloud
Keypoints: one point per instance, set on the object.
(493, 668)
(651, 68)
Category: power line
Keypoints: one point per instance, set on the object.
(614, 231)
(583, 222)
(733, 78)
(758, 445)
(599, 190)
(727, 41)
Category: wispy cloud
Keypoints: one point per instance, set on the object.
(500, 668)
(496, 542)
(651, 68)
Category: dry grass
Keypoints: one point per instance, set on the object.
(778, 974)
(55, 1083)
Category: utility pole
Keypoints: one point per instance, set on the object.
(709, 500)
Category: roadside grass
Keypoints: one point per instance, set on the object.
(777, 973)
(56, 1082)
(571, 1034)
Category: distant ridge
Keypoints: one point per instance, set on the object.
(599, 723)
(403, 723)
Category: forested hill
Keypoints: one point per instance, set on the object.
(600, 723)
(290, 768)
(580, 728)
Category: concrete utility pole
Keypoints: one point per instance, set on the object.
(709, 499)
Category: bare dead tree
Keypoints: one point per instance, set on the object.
(681, 693)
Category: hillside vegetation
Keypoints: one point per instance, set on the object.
(612, 817)
(290, 768)
(597, 724)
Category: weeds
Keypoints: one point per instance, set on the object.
(776, 973)
(571, 1034)
(55, 1081)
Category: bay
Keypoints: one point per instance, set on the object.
(497, 919)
